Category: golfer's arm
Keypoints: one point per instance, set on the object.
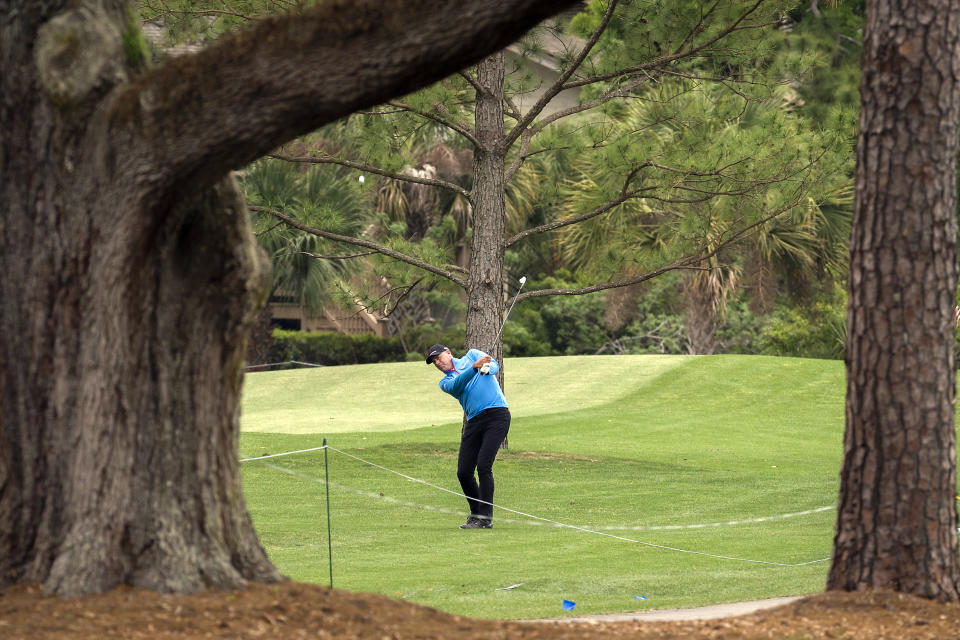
(457, 383)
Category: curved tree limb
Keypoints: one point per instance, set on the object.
(690, 262)
(359, 242)
(235, 100)
(457, 127)
(328, 159)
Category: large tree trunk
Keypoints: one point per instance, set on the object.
(124, 467)
(897, 520)
(118, 443)
(131, 278)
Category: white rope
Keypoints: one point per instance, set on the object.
(427, 507)
(562, 524)
(366, 494)
(728, 523)
(283, 364)
(287, 453)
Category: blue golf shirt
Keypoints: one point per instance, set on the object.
(475, 392)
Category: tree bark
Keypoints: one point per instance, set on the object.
(485, 300)
(131, 277)
(897, 520)
(487, 277)
(700, 318)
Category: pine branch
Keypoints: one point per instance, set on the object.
(471, 81)
(359, 242)
(323, 257)
(459, 128)
(611, 94)
(662, 61)
(552, 226)
(328, 159)
(558, 224)
(694, 261)
(558, 84)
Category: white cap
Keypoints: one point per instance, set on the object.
(523, 279)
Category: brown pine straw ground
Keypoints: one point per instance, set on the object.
(297, 610)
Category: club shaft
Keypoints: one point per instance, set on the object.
(506, 317)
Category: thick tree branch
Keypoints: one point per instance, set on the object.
(359, 242)
(328, 159)
(209, 112)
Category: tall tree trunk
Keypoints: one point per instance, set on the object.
(131, 278)
(485, 303)
(897, 520)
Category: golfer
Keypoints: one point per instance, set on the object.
(471, 380)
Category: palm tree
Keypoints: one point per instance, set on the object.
(709, 164)
(790, 253)
(306, 268)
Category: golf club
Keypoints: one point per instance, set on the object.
(485, 369)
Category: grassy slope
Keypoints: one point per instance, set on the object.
(404, 395)
(619, 444)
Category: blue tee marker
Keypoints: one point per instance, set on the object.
(568, 605)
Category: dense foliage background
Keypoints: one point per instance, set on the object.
(779, 291)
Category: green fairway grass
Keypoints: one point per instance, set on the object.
(391, 396)
(706, 475)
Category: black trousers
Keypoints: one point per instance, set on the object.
(479, 444)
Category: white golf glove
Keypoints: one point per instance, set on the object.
(485, 369)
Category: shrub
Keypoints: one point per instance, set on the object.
(329, 348)
(816, 331)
